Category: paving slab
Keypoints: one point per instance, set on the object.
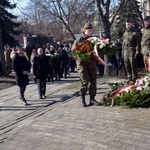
(59, 122)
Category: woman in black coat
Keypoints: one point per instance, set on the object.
(21, 67)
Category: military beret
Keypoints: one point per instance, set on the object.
(147, 18)
(129, 20)
(88, 25)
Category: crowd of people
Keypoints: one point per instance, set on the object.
(43, 63)
(67, 64)
(53, 61)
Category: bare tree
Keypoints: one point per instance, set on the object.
(65, 16)
(69, 15)
(107, 15)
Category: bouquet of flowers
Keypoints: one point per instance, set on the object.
(87, 49)
(105, 47)
(54, 58)
(84, 50)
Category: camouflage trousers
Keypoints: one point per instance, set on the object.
(88, 75)
(131, 66)
(146, 53)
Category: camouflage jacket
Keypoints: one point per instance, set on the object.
(80, 39)
(77, 41)
(131, 42)
(145, 43)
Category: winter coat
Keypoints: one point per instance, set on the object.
(40, 67)
(8, 60)
(131, 43)
(21, 64)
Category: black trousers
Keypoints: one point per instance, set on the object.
(22, 91)
(41, 87)
(64, 70)
(51, 73)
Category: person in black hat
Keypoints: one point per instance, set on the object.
(145, 43)
(87, 69)
(130, 49)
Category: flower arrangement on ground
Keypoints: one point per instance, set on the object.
(129, 94)
(93, 48)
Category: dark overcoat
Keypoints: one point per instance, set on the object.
(40, 67)
(21, 64)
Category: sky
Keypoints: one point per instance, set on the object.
(20, 5)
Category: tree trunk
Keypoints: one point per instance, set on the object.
(2, 58)
(107, 58)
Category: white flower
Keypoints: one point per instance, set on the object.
(139, 88)
(95, 39)
(126, 89)
(146, 79)
(106, 41)
(102, 45)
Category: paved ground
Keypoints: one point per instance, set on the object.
(61, 123)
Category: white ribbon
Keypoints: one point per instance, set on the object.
(96, 55)
(98, 58)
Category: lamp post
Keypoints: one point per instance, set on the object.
(100, 34)
(24, 41)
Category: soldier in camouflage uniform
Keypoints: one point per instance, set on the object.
(145, 43)
(130, 49)
(87, 69)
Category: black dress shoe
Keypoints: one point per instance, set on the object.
(24, 101)
(44, 96)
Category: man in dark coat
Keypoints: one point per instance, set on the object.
(40, 71)
(21, 67)
(64, 66)
(29, 50)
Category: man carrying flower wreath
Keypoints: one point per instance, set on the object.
(86, 64)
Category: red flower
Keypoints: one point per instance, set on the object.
(89, 48)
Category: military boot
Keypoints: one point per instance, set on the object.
(93, 101)
(83, 101)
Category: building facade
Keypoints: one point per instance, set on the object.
(145, 7)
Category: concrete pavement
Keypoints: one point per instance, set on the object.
(59, 122)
